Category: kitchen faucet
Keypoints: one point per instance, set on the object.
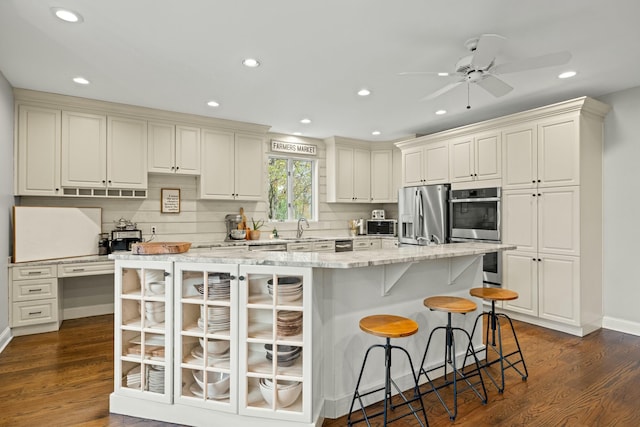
(300, 220)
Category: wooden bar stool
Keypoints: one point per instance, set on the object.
(450, 305)
(510, 360)
(388, 326)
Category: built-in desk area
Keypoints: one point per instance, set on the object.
(44, 293)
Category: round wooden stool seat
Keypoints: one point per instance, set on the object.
(388, 326)
(494, 294)
(450, 304)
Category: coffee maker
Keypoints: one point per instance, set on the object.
(121, 240)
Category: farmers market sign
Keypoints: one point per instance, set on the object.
(293, 147)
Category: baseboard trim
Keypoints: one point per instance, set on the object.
(87, 311)
(621, 325)
(5, 338)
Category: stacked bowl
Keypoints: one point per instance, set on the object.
(154, 311)
(289, 323)
(216, 385)
(289, 288)
(287, 391)
(286, 354)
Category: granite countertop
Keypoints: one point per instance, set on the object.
(276, 241)
(326, 259)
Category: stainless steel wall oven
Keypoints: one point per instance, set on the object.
(474, 216)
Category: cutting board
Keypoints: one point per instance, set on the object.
(42, 232)
(158, 248)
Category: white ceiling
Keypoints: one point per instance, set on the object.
(315, 55)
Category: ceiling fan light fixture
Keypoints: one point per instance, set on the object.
(67, 15)
(567, 75)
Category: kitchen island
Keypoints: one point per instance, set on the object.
(247, 307)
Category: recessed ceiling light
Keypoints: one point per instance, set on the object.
(67, 15)
(297, 133)
(441, 112)
(81, 80)
(305, 121)
(567, 74)
(213, 104)
(251, 63)
(376, 132)
(443, 74)
(364, 92)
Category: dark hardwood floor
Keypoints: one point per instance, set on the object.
(64, 379)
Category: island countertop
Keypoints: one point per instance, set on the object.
(403, 254)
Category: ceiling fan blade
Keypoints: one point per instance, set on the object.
(486, 50)
(494, 86)
(543, 61)
(442, 90)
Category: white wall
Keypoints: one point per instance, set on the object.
(622, 211)
(6, 200)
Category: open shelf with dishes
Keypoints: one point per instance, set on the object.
(143, 329)
(206, 331)
(275, 342)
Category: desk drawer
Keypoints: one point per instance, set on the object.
(42, 271)
(34, 312)
(34, 289)
(85, 269)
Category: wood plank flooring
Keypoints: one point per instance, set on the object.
(64, 378)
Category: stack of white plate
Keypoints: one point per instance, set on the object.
(289, 288)
(217, 318)
(155, 378)
(287, 355)
(218, 286)
(289, 323)
(212, 358)
(134, 377)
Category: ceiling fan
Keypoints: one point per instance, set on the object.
(479, 67)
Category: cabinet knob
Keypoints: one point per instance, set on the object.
(57, 189)
(538, 180)
(177, 167)
(534, 195)
(534, 181)
(539, 259)
(104, 182)
(167, 274)
(241, 278)
(172, 167)
(232, 277)
(539, 195)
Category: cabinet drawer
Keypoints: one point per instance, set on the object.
(34, 312)
(361, 245)
(35, 289)
(20, 273)
(324, 246)
(85, 269)
(299, 247)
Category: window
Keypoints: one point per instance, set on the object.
(291, 188)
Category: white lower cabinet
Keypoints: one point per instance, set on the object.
(143, 330)
(226, 321)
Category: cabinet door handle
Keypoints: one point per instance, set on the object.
(32, 313)
(78, 269)
(241, 278)
(35, 290)
(33, 273)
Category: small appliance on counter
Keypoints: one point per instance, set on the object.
(382, 227)
(121, 240)
(377, 214)
(233, 231)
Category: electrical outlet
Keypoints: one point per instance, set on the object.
(153, 229)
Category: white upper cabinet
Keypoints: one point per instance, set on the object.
(101, 152)
(544, 154)
(173, 149)
(382, 182)
(475, 158)
(232, 166)
(84, 150)
(426, 164)
(38, 151)
(348, 172)
(126, 153)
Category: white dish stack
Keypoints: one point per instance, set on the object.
(289, 288)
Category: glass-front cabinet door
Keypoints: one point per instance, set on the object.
(275, 342)
(206, 325)
(143, 323)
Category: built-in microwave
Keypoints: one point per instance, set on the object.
(382, 227)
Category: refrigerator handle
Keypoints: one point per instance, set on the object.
(420, 215)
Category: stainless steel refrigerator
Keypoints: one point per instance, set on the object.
(423, 214)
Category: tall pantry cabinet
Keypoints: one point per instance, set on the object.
(552, 211)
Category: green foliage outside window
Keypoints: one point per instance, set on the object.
(290, 189)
